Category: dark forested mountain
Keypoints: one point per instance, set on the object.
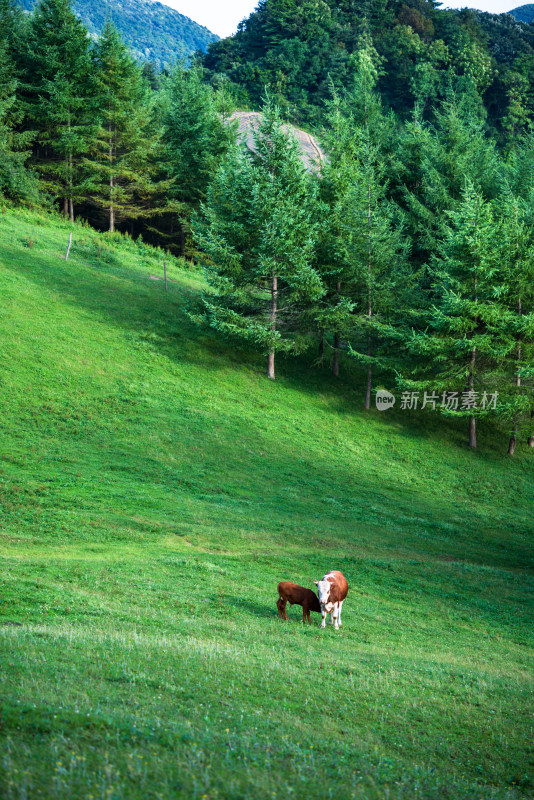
(524, 13)
(153, 32)
(300, 50)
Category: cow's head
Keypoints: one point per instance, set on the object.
(323, 590)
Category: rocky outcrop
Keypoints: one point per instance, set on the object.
(311, 153)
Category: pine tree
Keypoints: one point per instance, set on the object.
(363, 252)
(15, 180)
(194, 140)
(378, 250)
(13, 36)
(334, 311)
(521, 181)
(436, 159)
(513, 286)
(58, 97)
(123, 162)
(195, 135)
(462, 344)
(258, 232)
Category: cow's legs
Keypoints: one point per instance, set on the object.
(339, 613)
(323, 614)
(331, 622)
(281, 606)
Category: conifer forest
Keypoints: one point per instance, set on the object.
(408, 248)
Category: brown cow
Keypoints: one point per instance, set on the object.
(332, 589)
(294, 594)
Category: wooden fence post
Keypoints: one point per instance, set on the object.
(68, 248)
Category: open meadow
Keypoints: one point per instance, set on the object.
(155, 487)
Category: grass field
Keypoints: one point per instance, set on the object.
(155, 487)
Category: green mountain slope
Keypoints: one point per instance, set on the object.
(155, 487)
(299, 49)
(524, 13)
(153, 31)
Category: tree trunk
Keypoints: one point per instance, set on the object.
(270, 365)
(71, 181)
(472, 432)
(111, 183)
(65, 208)
(369, 387)
(472, 419)
(320, 351)
(513, 438)
(182, 240)
(369, 368)
(369, 295)
(274, 301)
(530, 440)
(335, 362)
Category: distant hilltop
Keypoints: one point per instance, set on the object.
(523, 13)
(152, 31)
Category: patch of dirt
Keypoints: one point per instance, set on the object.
(311, 153)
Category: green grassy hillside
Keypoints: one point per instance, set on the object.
(155, 487)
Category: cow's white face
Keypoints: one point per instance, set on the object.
(323, 590)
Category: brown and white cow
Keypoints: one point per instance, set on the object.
(294, 594)
(332, 589)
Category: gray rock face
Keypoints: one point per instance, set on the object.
(311, 153)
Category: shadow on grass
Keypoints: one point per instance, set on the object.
(269, 612)
(251, 607)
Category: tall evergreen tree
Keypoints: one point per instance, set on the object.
(436, 159)
(195, 137)
(513, 286)
(12, 35)
(258, 232)
(15, 180)
(124, 151)
(461, 344)
(363, 252)
(58, 96)
(335, 307)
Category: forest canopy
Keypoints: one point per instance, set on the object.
(301, 49)
(408, 252)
